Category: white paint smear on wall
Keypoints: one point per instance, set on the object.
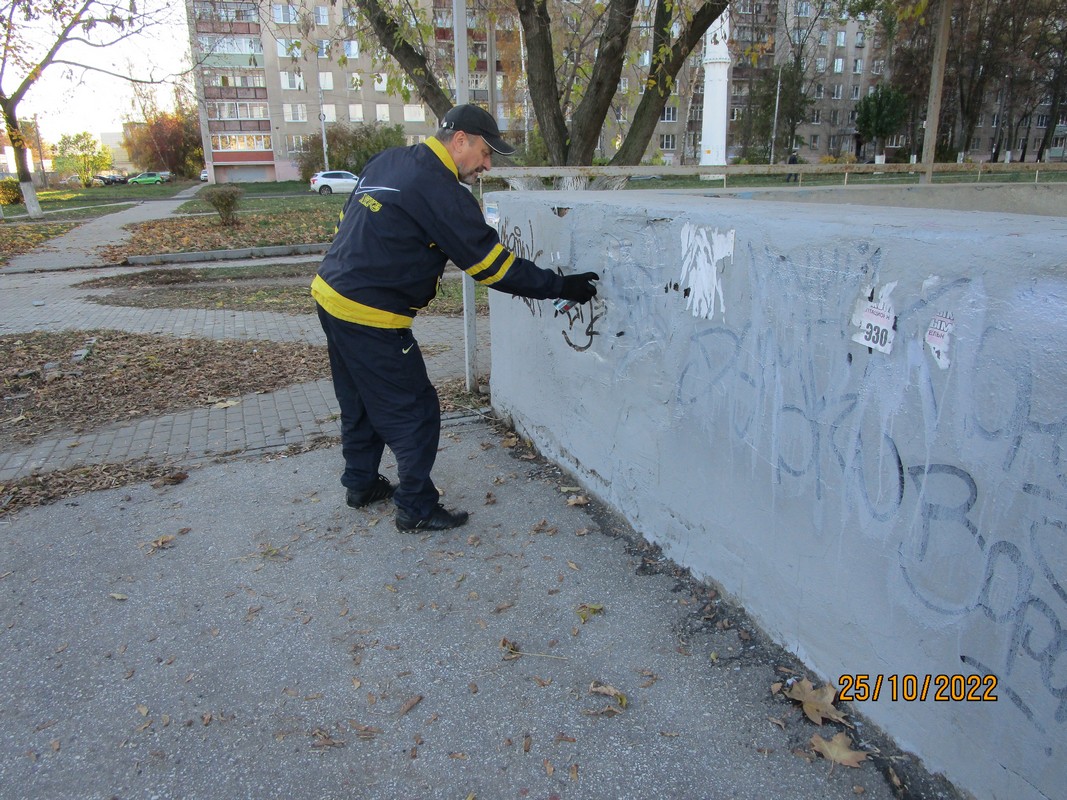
(703, 249)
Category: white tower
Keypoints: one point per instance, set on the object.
(716, 92)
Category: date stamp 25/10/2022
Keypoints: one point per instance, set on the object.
(939, 688)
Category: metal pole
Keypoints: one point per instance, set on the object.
(774, 125)
(463, 84)
(40, 152)
(322, 127)
(937, 81)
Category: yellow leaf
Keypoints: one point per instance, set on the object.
(587, 610)
(838, 750)
(142, 709)
(818, 704)
(118, 596)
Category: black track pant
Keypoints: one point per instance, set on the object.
(386, 398)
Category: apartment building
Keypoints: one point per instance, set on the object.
(262, 98)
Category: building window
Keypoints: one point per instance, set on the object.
(351, 49)
(646, 58)
(322, 15)
(288, 48)
(861, 38)
(820, 64)
(621, 115)
(839, 66)
(857, 66)
(283, 15)
(736, 113)
(837, 92)
(813, 142)
(382, 112)
(835, 116)
(803, 8)
(329, 110)
(291, 80)
(355, 80)
(818, 91)
(981, 121)
(624, 84)
(349, 17)
(240, 142)
(855, 91)
(297, 143)
(816, 116)
(355, 112)
(324, 48)
(234, 110)
(295, 112)
(824, 38)
(852, 117)
(229, 45)
(380, 82)
(878, 66)
(840, 38)
(414, 112)
(1042, 120)
(833, 142)
(670, 114)
(666, 141)
(326, 81)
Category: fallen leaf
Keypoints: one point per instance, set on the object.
(410, 704)
(173, 479)
(577, 500)
(573, 566)
(562, 737)
(490, 499)
(510, 441)
(118, 596)
(610, 691)
(779, 722)
(776, 687)
(542, 682)
(570, 489)
(322, 738)
(356, 683)
(549, 769)
(460, 756)
(526, 743)
(142, 709)
(818, 704)
(503, 607)
(511, 649)
(473, 687)
(587, 610)
(581, 532)
(574, 772)
(55, 745)
(838, 750)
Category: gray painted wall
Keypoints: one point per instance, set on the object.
(894, 510)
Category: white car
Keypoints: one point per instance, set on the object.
(203, 174)
(333, 181)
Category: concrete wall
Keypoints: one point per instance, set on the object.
(891, 510)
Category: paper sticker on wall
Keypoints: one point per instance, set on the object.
(876, 320)
(939, 338)
(492, 215)
(702, 253)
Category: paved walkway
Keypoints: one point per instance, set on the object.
(42, 293)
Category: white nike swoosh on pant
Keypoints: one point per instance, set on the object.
(406, 349)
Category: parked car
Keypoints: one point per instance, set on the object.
(108, 180)
(167, 176)
(203, 174)
(333, 181)
(147, 177)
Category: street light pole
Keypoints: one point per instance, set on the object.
(322, 127)
(774, 125)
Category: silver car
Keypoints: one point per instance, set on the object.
(333, 181)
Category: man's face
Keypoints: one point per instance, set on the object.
(472, 156)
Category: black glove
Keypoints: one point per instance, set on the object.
(579, 288)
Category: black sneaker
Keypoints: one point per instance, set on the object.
(440, 519)
(381, 489)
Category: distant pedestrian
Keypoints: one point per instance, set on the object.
(408, 216)
(792, 176)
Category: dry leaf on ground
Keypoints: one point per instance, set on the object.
(838, 750)
(818, 704)
(596, 687)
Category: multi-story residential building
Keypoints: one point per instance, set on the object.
(262, 99)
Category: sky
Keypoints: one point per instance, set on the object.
(69, 101)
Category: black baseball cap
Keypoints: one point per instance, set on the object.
(475, 119)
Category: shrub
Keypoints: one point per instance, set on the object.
(10, 192)
(224, 199)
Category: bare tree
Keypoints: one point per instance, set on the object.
(38, 36)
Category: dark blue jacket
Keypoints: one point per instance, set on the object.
(408, 216)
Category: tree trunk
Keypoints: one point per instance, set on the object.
(541, 78)
(18, 144)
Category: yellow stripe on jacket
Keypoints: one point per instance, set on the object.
(337, 305)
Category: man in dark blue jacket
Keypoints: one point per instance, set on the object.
(408, 216)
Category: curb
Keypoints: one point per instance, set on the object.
(226, 255)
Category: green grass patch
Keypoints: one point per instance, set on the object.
(273, 204)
